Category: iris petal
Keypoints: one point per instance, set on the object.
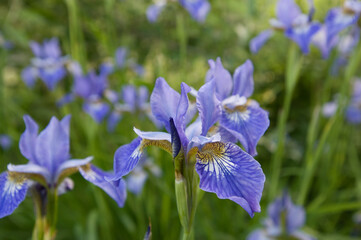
(302, 35)
(208, 105)
(248, 125)
(243, 80)
(164, 102)
(225, 169)
(115, 189)
(28, 139)
(13, 189)
(287, 12)
(257, 42)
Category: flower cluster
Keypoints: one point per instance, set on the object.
(222, 166)
(198, 9)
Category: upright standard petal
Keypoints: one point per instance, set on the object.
(115, 189)
(52, 146)
(208, 105)
(247, 123)
(243, 84)
(13, 189)
(198, 9)
(182, 110)
(287, 12)
(257, 42)
(27, 141)
(164, 102)
(225, 169)
(222, 78)
(153, 12)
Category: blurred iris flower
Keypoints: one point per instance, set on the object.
(5, 43)
(198, 9)
(283, 222)
(48, 64)
(353, 110)
(240, 118)
(223, 167)
(133, 100)
(296, 26)
(49, 166)
(337, 19)
(121, 61)
(5, 141)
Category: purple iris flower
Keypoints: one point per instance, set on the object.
(223, 167)
(120, 56)
(91, 88)
(198, 9)
(295, 25)
(284, 220)
(48, 64)
(49, 165)
(135, 100)
(238, 115)
(5, 141)
(353, 110)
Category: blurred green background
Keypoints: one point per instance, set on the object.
(176, 48)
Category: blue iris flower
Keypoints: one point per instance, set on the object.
(284, 220)
(240, 118)
(295, 25)
(49, 165)
(337, 19)
(353, 110)
(223, 167)
(198, 9)
(48, 64)
(133, 100)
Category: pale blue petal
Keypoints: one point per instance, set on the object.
(243, 80)
(208, 105)
(127, 157)
(164, 102)
(29, 75)
(72, 163)
(222, 78)
(231, 173)
(115, 189)
(258, 234)
(257, 42)
(28, 139)
(198, 9)
(182, 110)
(302, 35)
(136, 180)
(287, 12)
(12, 193)
(52, 146)
(153, 135)
(248, 126)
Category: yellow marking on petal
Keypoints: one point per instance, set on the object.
(17, 178)
(211, 151)
(20, 177)
(163, 144)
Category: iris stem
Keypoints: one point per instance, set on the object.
(51, 214)
(294, 63)
(40, 222)
(335, 123)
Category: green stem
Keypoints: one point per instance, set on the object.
(40, 222)
(335, 123)
(52, 213)
(77, 45)
(294, 63)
